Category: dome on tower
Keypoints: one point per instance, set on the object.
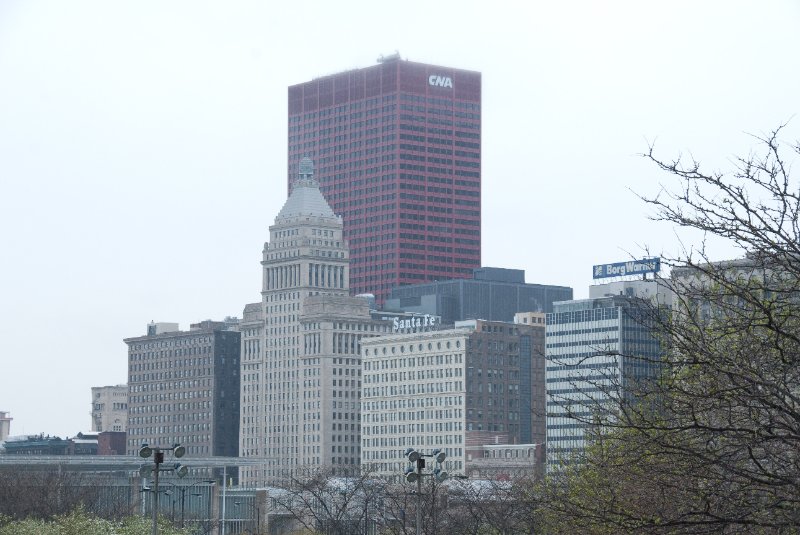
(305, 199)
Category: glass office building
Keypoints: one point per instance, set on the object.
(596, 349)
(495, 294)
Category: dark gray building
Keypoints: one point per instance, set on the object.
(184, 388)
(505, 370)
(494, 294)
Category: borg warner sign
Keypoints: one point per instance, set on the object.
(414, 324)
(621, 269)
(440, 81)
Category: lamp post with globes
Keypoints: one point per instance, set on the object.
(414, 474)
(157, 452)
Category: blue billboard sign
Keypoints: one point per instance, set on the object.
(621, 269)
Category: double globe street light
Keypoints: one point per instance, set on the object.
(157, 452)
(414, 474)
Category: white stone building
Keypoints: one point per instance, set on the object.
(413, 396)
(301, 370)
(5, 425)
(110, 408)
(456, 389)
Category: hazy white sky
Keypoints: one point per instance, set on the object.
(143, 148)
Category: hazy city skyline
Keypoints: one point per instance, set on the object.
(143, 149)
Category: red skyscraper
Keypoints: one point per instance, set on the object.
(397, 150)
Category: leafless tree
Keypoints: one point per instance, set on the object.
(713, 445)
(484, 507)
(330, 504)
(461, 507)
(48, 493)
(400, 502)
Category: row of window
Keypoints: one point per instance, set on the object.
(577, 316)
(180, 342)
(410, 362)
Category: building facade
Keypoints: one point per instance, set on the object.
(459, 389)
(38, 445)
(711, 291)
(505, 461)
(596, 350)
(112, 443)
(183, 387)
(333, 328)
(87, 443)
(530, 318)
(5, 425)
(398, 147)
(109, 408)
(495, 294)
(301, 369)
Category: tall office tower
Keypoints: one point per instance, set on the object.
(183, 387)
(301, 373)
(109, 408)
(398, 149)
(597, 349)
(458, 389)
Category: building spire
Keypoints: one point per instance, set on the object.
(305, 173)
(306, 199)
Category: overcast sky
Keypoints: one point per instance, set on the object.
(143, 148)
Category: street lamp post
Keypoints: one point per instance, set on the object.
(157, 452)
(182, 489)
(155, 498)
(209, 510)
(257, 510)
(414, 474)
